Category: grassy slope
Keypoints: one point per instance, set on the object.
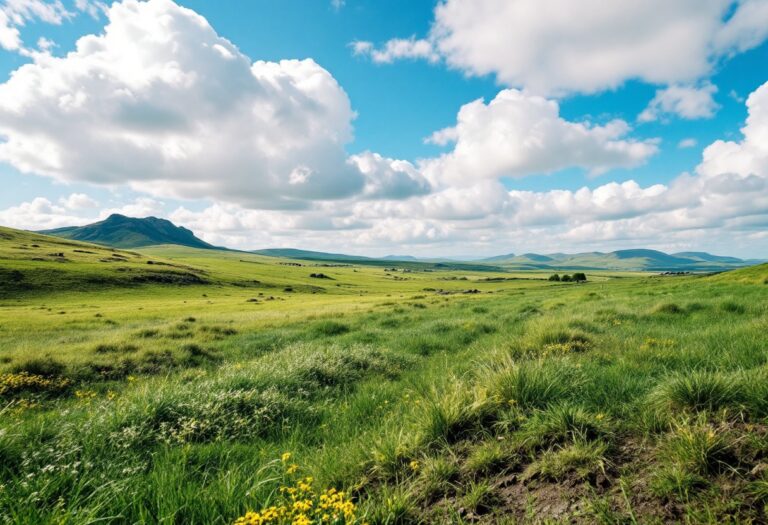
(753, 275)
(538, 400)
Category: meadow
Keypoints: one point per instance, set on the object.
(177, 385)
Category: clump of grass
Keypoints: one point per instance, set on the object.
(699, 390)
(733, 307)
(391, 506)
(531, 384)
(449, 414)
(691, 452)
(392, 452)
(426, 344)
(564, 423)
(436, 477)
(44, 366)
(479, 497)
(115, 348)
(700, 447)
(569, 340)
(330, 328)
(490, 457)
(580, 459)
(668, 308)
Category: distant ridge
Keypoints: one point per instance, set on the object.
(120, 231)
(293, 253)
(632, 259)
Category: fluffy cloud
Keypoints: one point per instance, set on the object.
(561, 46)
(517, 134)
(78, 201)
(688, 102)
(746, 158)
(40, 214)
(389, 178)
(16, 13)
(397, 49)
(687, 143)
(161, 102)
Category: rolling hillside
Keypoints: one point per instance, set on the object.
(752, 275)
(33, 263)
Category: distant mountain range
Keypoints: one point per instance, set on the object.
(635, 259)
(120, 231)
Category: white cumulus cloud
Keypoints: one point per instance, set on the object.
(160, 102)
(517, 134)
(688, 102)
(562, 46)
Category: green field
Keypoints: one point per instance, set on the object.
(177, 385)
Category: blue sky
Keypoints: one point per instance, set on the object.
(361, 175)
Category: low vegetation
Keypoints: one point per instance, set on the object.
(358, 398)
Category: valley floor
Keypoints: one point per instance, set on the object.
(259, 392)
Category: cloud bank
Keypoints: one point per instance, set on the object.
(556, 47)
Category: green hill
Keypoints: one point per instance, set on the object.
(120, 231)
(34, 263)
(753, 275)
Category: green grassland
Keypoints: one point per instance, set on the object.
(167, 384)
